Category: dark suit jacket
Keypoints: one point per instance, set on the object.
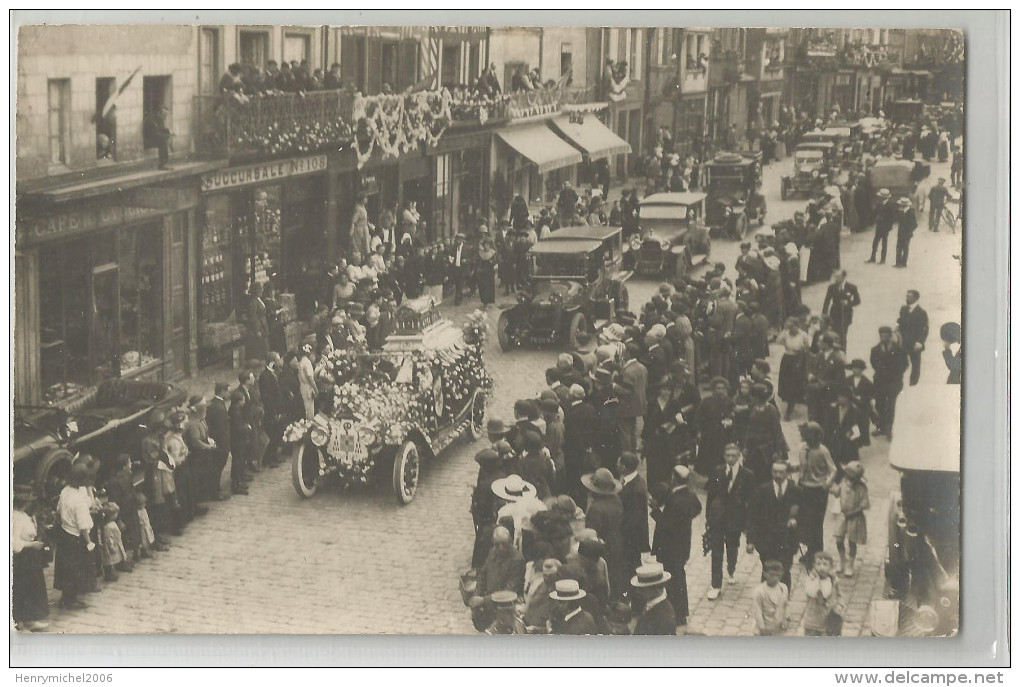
(661, 620)
(768, 517)
(861, 394)
(840, 301)
(634, 496)
(672, 540)
(218, 420)
(580, 624)
(842, 447)
(885, 215)
(889, 366)
(269, 390)
(727, 507)
(913, 326)
(906, 223)
(257, 317)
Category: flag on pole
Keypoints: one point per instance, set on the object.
(112, 100)
(430, 60)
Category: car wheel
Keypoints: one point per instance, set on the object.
(503, 331)
(304, 469)
(406, 463)
(622, 298)
(477, 422)
(578, 326)
(51, 475)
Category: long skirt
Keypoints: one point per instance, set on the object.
(812, 517)
(28, 587)
(792, 378)
(73, 565)
(486, 283)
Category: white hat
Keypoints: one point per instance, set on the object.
(512, 488)
(567, 590)
(651, 575)
(766, 231)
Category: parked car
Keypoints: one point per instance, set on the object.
(905, 111)
(812, 161)
(899, 176)
(732, 183)
(393, 410)
(104, 423)
(922, 566)
(664, 244)
(575, 285)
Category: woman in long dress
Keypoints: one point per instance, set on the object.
(73, 564)
(715, 426)
(792, 369)
(486, 270)
(29, 605)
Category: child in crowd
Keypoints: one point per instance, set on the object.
(853, 527)
(114, 556)
(769, 603)
(823, 614)
(148, 537)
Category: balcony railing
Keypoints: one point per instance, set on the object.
(273, 124)
(472, 110)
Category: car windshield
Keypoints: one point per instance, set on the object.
(807, 157)
(726, 177)
(558, 265)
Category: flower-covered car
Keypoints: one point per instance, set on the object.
(392, 410)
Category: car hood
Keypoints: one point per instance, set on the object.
(730, 199)
(555, 292)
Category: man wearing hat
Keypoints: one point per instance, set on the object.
(632, 387)
(671, 543)
(861, 394)
(906, 223)
(937, 197)
(658, 618)
(484, 504)
(272, 404)
(458, 267)
(579, 424)
(218, 423)
(634, 498)
(885, 216)
(842, 425)
(605, 515)
(569, 618)
(521, 503)
(496, 429)
(506, 621)
(552, 413)
(889, 361)
(912, 326)
(240, 441)
(606, 442)
(170, 468)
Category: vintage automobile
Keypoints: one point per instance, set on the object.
(812, 161)
(899, 176)
(105, 422)
(575, 285)
(871, 129)
(848, 137)
(732, 182)
(395, 409)
(906, 111)
(664, 244)
(922, 566)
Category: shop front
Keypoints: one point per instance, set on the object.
(770, 95)
(595, 140)
(103, 292)
(535, 162)
(460, 184)
(260, 224)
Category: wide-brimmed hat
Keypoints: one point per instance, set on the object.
(903, 202)
(884, 193)
(602, 376)
(512, 488)
(355, 309)
(567, 590)
(496, 426)
(650, 575)
(601, 482)
(503, 597)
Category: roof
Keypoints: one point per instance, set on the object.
(566, 246)
(927, 428)
(596, 233)
(591, 136)
(678, 198)
(538, 144)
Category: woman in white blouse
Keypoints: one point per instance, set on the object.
(73, 542)
(29, 604)
(792, 370)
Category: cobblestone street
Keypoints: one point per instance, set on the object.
(358, 562)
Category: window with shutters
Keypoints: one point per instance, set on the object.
(105, 118)
(297, 46)
(635, 53)
(59, 114)
(451, 64)
(390, 63)
(157, 93)
(208, 60)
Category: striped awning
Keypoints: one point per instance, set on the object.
(592, 137)
(539, 145)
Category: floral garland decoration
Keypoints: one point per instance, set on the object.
(398, 124)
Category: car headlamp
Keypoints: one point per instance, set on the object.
(523, 298)
(814, 173)
(635, 242)
(729, 211)
(664, 244)
(318, 436)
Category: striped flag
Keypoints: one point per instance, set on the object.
(430, 59)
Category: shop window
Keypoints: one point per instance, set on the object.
(470, 178)
(141, 301)
(253, 47)
(209, 60)
(59, 111)
(215, 296)
(157, 93)
(63, 320)
(297, 46)
(105, 321)
(105, 118)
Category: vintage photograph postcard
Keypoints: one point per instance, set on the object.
(487, 329)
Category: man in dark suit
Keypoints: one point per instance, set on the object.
(862, 391)
(632, 387)
(885, 215)
(672, 540)
(772, 520)
(730, 490)
(634, 497)
(906, 224)
(272, 404)
(257, 323)
(553, 378)
(912, 325)
(568, 617)
(657, 617)
(840, 300)
(458, 267)
(889, 361)
(842, 429)
(579, 424)
(218, 421)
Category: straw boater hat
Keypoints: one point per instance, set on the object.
(883, 193)
(512, 488)
(567, 590)
(650, 575)
(601, 482)
(903, 202)
(503, 597)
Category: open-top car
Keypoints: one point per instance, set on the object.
(811, 163)
(734, 199)
(104, 422)
(922, 565)
(575, 285)
(664, 246)
(395, 409)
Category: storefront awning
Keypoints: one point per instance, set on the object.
(594, 138)
(540, 146)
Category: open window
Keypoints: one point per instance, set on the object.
(157, 93)
(105, 118)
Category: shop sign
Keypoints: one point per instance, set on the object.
(369, 185)
(233, 177)
(69, 223)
